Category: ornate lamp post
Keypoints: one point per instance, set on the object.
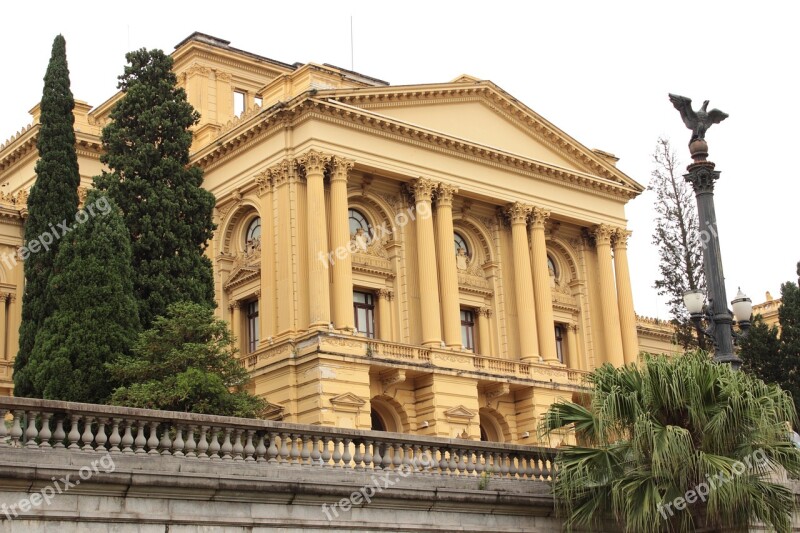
(701, 175)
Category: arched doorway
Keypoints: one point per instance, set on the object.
(387, 415)
(493, 427)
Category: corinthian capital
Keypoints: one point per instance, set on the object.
(341, 168)
(264, 182)
(538, 217)
(313, 162)
(602, 234)
(518, 212)
(445, 193)
(422, 189)
(281, 173)
(621, 236)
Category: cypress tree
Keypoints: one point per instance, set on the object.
(53, 199)
(95, 319)
(167, 213)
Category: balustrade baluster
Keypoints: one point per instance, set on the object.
(31, 433)
(44, 433)
(504, 469)
(87, 438)
(127, 437)
(443, 462)
(16, 429)
(452, 465)
(295, 452)
(347, 456)
(397, 456)
(101, 437)
(166, 442)
(529, 467)
(178, 442)
(337, 453)
(191, 445)
(3, 431)
(238, 449)
(547, 467)
(462, 462)
(214, 447)
(249, 449)
(284, 457)
(202, 443)
(377, 460)
(114, 440)
(470, 462)
(326, 451)
(261, 449)
(140, 441)
(227, 447)
(537, 471)
(272, 451)
(388, 456)
(152, 439)
(74, 435)
(425, 459)
(305, 453)
(359, 457)
(316, 456)
(512, 465)
(368, 454)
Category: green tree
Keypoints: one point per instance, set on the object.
(167, 213)
(650, 434)
(95, 318)
(185, 362)
(678, 238)
(774, 355)
(53, 199)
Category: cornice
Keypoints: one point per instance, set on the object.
(20, 146)
(306, 107)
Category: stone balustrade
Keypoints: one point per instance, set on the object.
(54, 425)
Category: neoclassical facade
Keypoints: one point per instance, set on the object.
(436, 259)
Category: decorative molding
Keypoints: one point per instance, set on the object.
(444, 194)
(517, 213)
(461, 412)
(340, 168)
(602, 234)
(538, 217)
(422, 189)
(347, 402)
(495, 391)
(312, 162)
(391, 377)
(620, 239)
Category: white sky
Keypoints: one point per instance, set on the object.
(600, 71)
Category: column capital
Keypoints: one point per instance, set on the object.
(517, 212)
(602, 234)
(422, 189)
(340, 167)
(484, 311)
(386, 294)
(264, 182)
(702, 177)
(572, 327)
(5, 296)
(444, 194)
(313, 162)
(620, 239)
(539, 216)
(281, 173)
(235, 304)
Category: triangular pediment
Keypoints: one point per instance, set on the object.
(347, 399)
(459, 411)
(481, 113)
(242, 274)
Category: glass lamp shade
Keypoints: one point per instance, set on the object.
(742, 307)
(693, 300)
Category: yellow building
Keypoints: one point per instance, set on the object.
(436, 258)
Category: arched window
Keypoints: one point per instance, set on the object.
(358, 221)
(460, 243)
(253, 233)
(551, 266)
(377, 421)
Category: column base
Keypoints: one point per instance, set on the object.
(532, 359)
(432, 343)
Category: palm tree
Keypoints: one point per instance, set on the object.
(675, 444)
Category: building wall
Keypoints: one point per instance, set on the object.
(420, 162)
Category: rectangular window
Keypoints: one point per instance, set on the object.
(238, 102)
(364, 312)
(468, 329)
(560, 343)
(252, 326)
(259, 101)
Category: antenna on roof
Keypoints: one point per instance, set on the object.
(352, 66)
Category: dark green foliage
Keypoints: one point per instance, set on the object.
(773, 356)
(53, 199)
(678, 239)
(95, 319)
(185, 362)
(167, 214)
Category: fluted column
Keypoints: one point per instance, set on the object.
(426, 262)
(627, 316)
(266, 305)
(484, 331)
(385, 297)
(340, 239)
(319, 301)
(608, 297)
(236, 322)
(3, 330)
(448, 276)
(542, 292)
(572, 346)
(526, 315)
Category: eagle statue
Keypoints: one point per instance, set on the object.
(698, 121)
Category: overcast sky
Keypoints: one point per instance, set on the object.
(600, 71)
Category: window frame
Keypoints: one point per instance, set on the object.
(252, 323)
(467, 329)
(369, 309)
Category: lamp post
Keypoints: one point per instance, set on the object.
(701, 174)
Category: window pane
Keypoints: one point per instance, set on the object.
(358, 221)
(238, 103)
(259, 101)
(359, 297)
